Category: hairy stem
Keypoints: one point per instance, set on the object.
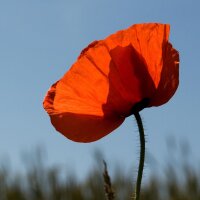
(142, 156)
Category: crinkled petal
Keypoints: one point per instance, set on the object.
(111, 77)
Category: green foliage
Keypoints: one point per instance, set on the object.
(42, 182)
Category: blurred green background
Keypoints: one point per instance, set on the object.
(43, 182)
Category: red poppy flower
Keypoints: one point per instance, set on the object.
(113, 78)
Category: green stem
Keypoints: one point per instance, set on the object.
(142, 155)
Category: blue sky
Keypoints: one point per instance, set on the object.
(39, 41)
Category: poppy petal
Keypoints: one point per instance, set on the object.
(78, 127)
(110, 79)
(169, 80)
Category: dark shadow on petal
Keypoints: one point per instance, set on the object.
(130, 83)
(84, 128)
(169, 79)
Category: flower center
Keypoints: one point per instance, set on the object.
(140, 105)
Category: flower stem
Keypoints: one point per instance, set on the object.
(142, 156)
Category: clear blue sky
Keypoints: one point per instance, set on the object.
(40, 39)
